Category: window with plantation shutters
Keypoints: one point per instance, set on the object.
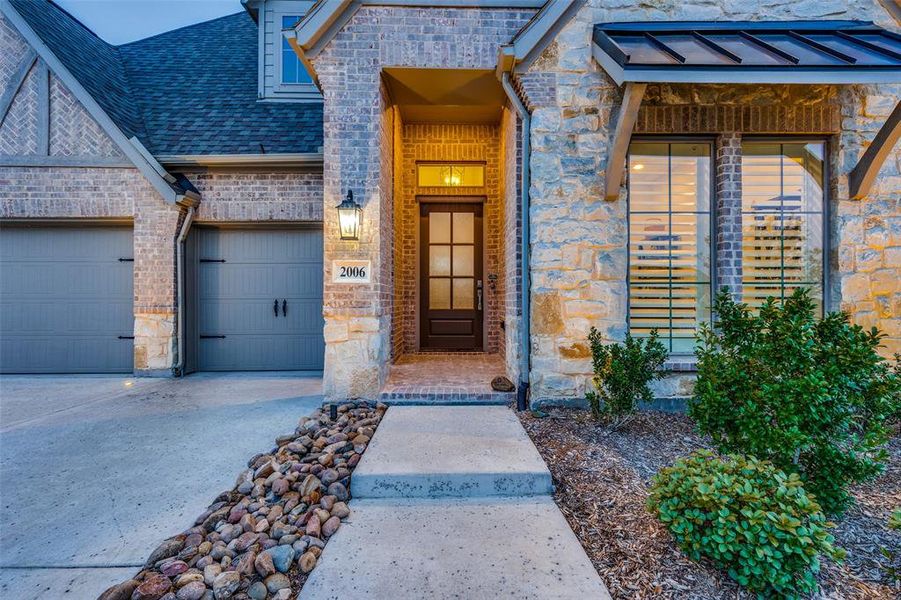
(782, 219)
(669, 240)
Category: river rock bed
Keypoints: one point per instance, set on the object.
(260, 540)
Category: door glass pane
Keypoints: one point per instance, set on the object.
(439, 294)
(464, 227)
(463, 293)
(463, 260)
(439, 228)
(439, 260)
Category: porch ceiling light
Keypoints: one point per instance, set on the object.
(350, 217)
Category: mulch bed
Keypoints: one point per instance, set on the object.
(260, 540)
(602, 476)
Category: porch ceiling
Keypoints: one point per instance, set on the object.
(442, 95)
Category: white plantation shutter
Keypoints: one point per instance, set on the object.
(669, 240)
(782, 220)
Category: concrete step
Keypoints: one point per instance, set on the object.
(450, 452)
(454, 548)
(447, 398)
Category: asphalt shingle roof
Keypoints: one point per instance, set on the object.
(188, 91)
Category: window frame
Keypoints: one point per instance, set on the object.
(461, 163)
(790, 138)
(710, 141)
(280, 89)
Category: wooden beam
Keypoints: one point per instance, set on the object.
(622, 134)
(862, 176)
(15, 82)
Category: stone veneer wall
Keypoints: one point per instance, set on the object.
(358, 317)
(579, 241)
(452, 142)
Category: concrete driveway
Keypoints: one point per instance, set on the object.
(95, 471)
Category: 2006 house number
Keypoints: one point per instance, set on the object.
(350, 271)
(353, 272)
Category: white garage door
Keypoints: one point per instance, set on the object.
(66, 300)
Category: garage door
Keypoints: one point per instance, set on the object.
(66, 300)
(259, 299)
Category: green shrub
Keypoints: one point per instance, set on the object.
(811, 395)
(746, 516)
(622, 373)
(893, 565)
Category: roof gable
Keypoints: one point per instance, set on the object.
(95, 63)
(190, 91)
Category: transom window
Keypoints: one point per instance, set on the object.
(782, 219)
(669, 240)
(450, 175)
(293, 70)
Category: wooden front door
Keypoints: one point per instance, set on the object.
(450, 268)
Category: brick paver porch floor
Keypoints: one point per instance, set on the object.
(445, 378)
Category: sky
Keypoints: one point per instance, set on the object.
(123, 21)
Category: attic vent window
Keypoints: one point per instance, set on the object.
(293, 71)
(450, 175)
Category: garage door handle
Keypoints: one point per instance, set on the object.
(126, 337)
(212, 337)
(275, 307)
(284, 308)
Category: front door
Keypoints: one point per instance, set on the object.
(451, 294)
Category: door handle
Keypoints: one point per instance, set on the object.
(479, 293)
(284, 308)
(275, 307)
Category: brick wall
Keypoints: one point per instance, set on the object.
(93, 193)
(349, 69)
(236, 196)
(579, 258)
(511, 174)
(449, 142)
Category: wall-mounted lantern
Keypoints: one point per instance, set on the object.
(350, 218)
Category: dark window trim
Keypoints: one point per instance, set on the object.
(710, 140)
(827, 141)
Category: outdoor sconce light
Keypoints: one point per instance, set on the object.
(350, 218)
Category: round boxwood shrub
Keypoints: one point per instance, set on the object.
(748, 517)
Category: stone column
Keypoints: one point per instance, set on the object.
(156, 226)
(727, 249)
(358, 132)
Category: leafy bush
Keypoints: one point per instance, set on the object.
(810, 395)
(622, 373)
(893, 556)
(746, 516)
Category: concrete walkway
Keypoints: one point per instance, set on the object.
(96, 471)
(453, 502)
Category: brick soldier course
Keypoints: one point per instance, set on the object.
(91, 146)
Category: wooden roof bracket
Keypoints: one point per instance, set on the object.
(622, 135)
(862, 176)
